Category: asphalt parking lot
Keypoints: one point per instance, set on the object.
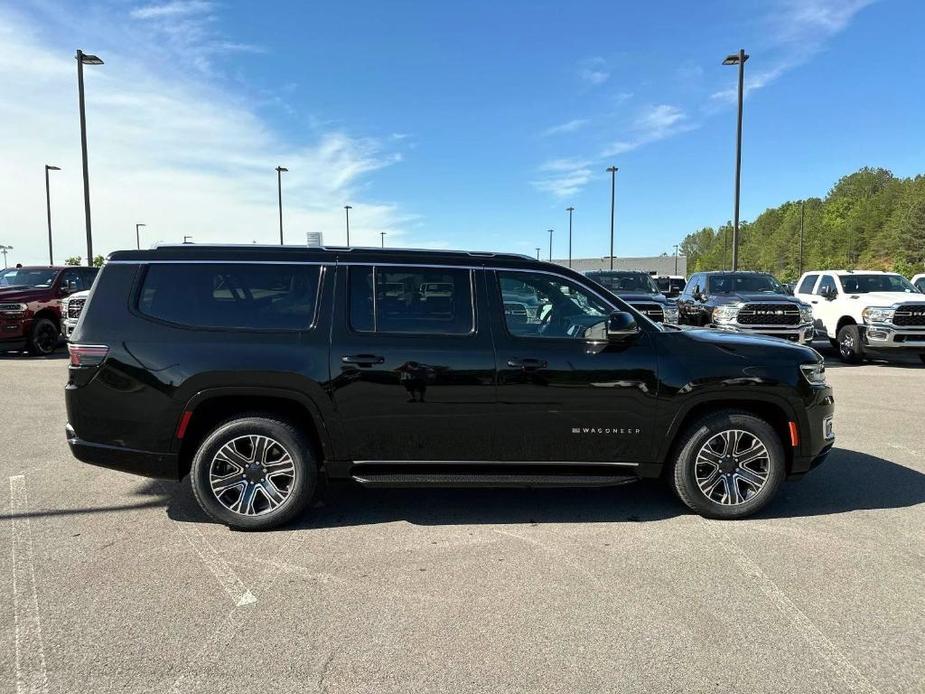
(113, 583)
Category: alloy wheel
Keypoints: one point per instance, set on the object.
(847, 344)
(732, 467)
(252, 475)
(46, 338)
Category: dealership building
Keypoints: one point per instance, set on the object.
(660, 264)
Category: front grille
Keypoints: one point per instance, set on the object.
(653, 311)
(769, 314)
(910, 314)
(74, 307)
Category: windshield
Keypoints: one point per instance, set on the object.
(864, 284)
(732, 283)
(25, 277)
(626, 282)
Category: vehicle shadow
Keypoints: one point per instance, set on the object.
(847, 481)
(901, 360)
(57, 354)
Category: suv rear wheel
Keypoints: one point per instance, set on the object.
(730, 465)
(850, 348)
(254, 472)
(43, 340)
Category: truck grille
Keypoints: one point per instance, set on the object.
(769, 314)
(653, 311)
(909, 314)
(74, 307)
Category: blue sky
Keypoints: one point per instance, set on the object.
(463, 125)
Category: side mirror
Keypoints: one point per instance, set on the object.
(621, 326)
(829, 293)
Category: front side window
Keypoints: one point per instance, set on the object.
(825, 285)
(806, 286)
(411, 299)
(541, 305)
(246, 296)
(865, 284)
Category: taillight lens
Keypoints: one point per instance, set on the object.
(87, 355)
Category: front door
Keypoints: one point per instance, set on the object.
(412, 364)
(561, 396)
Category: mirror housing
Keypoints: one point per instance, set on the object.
(621, 326)
(829, 293)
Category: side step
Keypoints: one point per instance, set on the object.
(371, 478)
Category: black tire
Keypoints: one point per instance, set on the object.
(43, 339)
(850, 349)
(686, 467)
(299, 488)
(834, 343)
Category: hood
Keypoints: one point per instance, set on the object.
(83, 294)
(640, 297)
(760, 346)
(23, 294)
(887, 298)
(747, 298)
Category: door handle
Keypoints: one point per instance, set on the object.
(527, 364)
(363, 359)
(814, 302)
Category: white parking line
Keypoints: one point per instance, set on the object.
(852, 677)
(31, 675)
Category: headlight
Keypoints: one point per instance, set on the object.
(878, 314)
(806, 314)
(671, 313)
(12, 309)
(814, 373)
(726, 314)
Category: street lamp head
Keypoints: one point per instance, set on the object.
(569, 209)
(140, 224)
(734, 59)
(348, 207)
(88, 59)
(612, 169)
(49, 167)
(280, 169)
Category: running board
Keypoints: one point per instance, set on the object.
(370, 478)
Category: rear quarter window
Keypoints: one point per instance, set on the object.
(235, 296)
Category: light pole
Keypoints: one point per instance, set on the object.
(537, 252)
(138, 236)
(382, 237)
(801, 237)
(570, 210)
(279, 188)
(676, 246)
(85, 59)
(737, 59)
(48, 167)
(4, 249)
(347, 209)
(613, 191)
(550, 244)
(187, 239)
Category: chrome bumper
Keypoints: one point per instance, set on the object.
(803, 334)
(888, 336)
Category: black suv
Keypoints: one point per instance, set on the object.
(750, 302)
(639, 290)
(262, 371)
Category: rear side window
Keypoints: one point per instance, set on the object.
(241, 296)
(411, 300)
(806, 286)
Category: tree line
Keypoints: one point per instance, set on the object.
(869, 220)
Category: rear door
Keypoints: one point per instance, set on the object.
(561, 396)
(412, 364)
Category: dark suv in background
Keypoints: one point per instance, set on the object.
(639, 290)
(30, 304)
(263, 370)
(748, 302)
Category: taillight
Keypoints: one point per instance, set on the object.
(87, 355)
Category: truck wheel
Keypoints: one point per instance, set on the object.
(730, 465)
(850, 348)
(43, 340)
(254, 473)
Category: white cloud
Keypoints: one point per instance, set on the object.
(179, 153)
(563, 177)
(651, 125)
(567, 127)
(178, 8)
(594, 71)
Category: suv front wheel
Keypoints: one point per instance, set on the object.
(730, 465)
(254, 473)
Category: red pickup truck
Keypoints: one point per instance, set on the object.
(30, 304)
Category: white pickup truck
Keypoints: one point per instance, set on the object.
(865, 311)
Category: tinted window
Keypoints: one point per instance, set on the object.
(694, 285)
(920, 284)
(806, 286)
(74, 276)
(826, 283)
(411, 300)
(863, 284)
(231, 295)
(729, 283)
(541, 305)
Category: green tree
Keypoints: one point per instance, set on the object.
(73, 260)
(98, 261)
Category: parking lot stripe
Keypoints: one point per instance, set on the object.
(31, 675)
(226, 576)
(819, 642)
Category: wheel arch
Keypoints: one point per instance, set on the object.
(208, 408)
(48, 313)
(842, 322)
